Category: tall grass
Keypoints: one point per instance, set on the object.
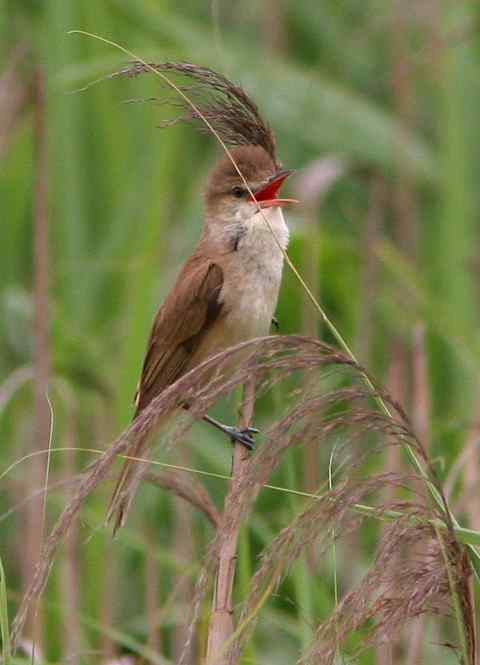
(126, 209)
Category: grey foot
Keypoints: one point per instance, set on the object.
(243, 436)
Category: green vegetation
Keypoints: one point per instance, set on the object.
(375, 104)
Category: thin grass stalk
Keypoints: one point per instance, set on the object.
(35, 515)
(14, 96)
(421, 399)
(334, 547)
(185, 548)
(245, 572)
(421, 424)
(108, 603)
(273, 28)
(302, 572)
(470, 500)
(369, 269)
(221, 621)
(467, 647)
(70, 579)
(4, 623)
(110, 572)
(388, 654)
(151, 593)
(403, 200)
(398, 388)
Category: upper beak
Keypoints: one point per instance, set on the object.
(266, 196)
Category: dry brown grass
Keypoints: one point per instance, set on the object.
(331, 404)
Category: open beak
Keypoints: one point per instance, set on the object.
(267, 196)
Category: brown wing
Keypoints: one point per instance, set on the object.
(185, 317)
(182, 321)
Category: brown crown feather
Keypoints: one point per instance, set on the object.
(226, 106)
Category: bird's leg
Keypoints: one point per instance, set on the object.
(243, 436)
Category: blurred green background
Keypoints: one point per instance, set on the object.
(375, 104)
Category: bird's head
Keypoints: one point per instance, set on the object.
(226, 196)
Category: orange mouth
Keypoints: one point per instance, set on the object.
(266, 197)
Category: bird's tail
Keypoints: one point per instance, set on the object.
(125, 488)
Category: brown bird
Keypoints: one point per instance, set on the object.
(227, 290)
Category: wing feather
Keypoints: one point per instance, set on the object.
(192, 307)
(180, 325)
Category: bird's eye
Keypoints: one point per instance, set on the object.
(238, 192)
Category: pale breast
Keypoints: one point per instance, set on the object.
(252, 276)
(252, 284)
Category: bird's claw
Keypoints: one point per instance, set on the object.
(243, 436)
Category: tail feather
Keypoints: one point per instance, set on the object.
(125, 488)
(128, 481)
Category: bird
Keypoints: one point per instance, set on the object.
(227, 290)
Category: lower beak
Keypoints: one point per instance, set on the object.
(272, 203)
(266, 197)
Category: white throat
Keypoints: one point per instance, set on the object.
(258, 248)
(268, 226)
(253, 281)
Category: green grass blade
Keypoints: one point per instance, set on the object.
(4, 624)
